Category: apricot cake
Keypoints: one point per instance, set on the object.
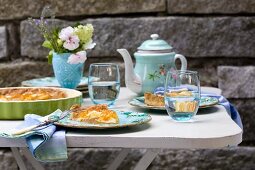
(180, 106)
(153, 100)
(94, 114)
(180, 93)
(30, 94)
(183, 106)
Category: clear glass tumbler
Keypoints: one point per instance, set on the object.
(182, 94)
(104, 83)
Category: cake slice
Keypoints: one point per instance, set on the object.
(184, 93)
(97, 114)
(153, 99)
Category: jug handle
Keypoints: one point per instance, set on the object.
(183, 61)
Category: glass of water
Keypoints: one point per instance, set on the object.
(104, 83)
(182, 94)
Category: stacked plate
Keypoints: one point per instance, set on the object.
(52, 82)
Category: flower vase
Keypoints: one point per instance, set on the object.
(67, 75)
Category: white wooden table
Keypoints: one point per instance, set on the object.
(212, 128)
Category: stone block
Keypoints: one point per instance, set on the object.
(210, 6)
(14, 9)
(207, 67)
(7, 160)
(13, 40)
(237, 82)
(12, 74)
(235, 158)
(191, 36)
(3, 42)
(246, 108)
(204, 67)
(95, 7)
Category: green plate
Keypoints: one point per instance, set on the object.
(18, 109)
(204, 103)
(126, 119)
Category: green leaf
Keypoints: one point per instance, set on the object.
(47, 44)
(55, 31)
(50, 56)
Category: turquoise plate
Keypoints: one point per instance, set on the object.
(126, 118)
(208, 102)
(49, 82)
(204, 103)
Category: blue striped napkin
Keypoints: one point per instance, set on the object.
(46, 143)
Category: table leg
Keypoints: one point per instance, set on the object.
(18, 158)
(31, 159)
(147, 158)
(117, 161)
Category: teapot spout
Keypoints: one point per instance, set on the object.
(132, 80)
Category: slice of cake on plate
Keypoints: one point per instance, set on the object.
(98, 114)
(153, 100)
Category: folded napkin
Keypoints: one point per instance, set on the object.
(232, 111)
(46, 143)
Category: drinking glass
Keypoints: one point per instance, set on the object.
(182, 94)
(104, 83)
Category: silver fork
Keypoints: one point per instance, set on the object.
(46, 122)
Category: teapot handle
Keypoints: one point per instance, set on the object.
(183, 61)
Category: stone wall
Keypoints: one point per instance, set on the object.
(216, 36)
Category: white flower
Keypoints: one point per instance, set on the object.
(71, 41)
(90, 45)
(79, 57)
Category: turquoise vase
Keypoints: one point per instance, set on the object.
(68, 75)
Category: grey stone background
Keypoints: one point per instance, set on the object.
(216, 36)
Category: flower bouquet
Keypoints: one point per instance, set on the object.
(68, 48)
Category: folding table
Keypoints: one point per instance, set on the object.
(212, 128)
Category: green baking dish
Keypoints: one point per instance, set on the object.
(18, 109)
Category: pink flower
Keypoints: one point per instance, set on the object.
(65, 33)
(71, 41)
(79, 57)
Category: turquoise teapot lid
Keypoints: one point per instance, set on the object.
(155, 44)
